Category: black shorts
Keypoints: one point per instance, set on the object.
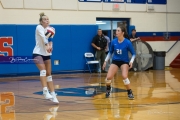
(119, 63)
(43, 57)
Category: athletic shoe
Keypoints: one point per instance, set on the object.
(54, 99)
(108, 90)
(130, 96)
(47, 95)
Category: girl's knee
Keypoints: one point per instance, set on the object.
(109, 77)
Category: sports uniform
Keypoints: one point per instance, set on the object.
(40, 51)
(41, 41)
(120, 50)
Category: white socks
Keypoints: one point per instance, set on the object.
(45, 88)
(46, 93)
(53, 93)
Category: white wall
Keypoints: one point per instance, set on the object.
(74, 12)
(63, 12)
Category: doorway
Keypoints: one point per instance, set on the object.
(109, 25)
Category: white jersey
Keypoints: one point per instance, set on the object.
(41, 40)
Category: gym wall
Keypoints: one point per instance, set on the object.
(70, 44)
(66, 15)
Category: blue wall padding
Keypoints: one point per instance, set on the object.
(9, 31)
(69, 45)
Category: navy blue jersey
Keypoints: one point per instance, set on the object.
(120, 50)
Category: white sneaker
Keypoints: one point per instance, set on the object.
(54, 99)
(47, 95)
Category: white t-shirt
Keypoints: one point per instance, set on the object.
(41, 40)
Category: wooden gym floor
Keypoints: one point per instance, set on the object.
(82, 97)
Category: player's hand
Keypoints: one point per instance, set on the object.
(51, 49)
(130, 65)
(104, 65)
(98, 48)
(48, 48)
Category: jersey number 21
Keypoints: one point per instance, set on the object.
(119, 51)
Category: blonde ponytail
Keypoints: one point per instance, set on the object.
(41, 15)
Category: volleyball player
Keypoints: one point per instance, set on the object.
(42, 53)
(120, 47)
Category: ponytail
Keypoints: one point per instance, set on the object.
(41, 16)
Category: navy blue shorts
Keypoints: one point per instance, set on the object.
(43, 57)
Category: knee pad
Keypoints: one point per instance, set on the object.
(43, 73)
(107, 81)
(126, 81)
(49, 78)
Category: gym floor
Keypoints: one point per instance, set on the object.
(82, 97)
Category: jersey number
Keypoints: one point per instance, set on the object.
(119, 51)
(6, 49)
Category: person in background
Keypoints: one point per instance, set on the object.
(133, 36)
(99, 42)
(108, 42)
(114, 34)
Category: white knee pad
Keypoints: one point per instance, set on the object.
(107, 81)
(49, 78)
(126, 81)
(43, 73)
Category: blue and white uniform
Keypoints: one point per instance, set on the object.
(120, 51)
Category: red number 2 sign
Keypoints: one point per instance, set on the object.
(6, 49)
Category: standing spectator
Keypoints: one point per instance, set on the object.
(108, 42)
(133, 36)
(100, 43)
(114, 34)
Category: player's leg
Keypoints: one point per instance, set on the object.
(125, 70)
(110, 75)
(48, 75)
(49, 79)
(41, 66)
